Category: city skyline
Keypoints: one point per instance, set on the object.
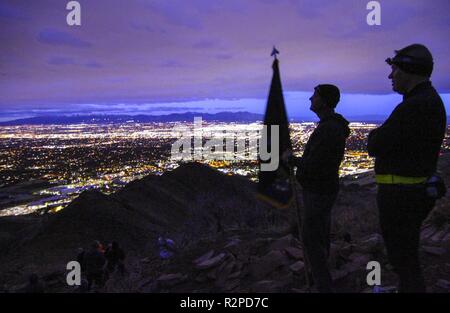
(44, 167)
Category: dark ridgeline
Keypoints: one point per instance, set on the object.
(205, 210)
(190, 201)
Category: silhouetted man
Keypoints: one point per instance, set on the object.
(115, 257)
(94, 261)
(406, 148)
(318, 173)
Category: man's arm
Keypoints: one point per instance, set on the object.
(403, 126)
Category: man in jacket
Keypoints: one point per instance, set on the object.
(406, 148)
(94, 261)
(318, 173)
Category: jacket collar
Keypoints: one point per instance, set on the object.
(418, 89)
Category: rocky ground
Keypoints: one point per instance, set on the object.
(249, 263)
(226, 241)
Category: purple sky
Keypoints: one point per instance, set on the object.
(152, 55)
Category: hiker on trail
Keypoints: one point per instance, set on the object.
(94, 262)
(114, 258)
(100, 248)
(406, 149)
(318, 173)
(167, 248)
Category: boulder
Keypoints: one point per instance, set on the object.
(235, 274)
(148, 286)
(267, 286)
(447, 265)
(212, 273)
(224, 271)
(437, 251)
(170, 280)
(268, 263)
(202, 278)
(346, 250)
(427, 232)
(446, 241)
(204, 257)
(358, 262)
(338, 274)
(372, 244)
(294, 252)
(297, 267)
(232, 243)
(359, 258)
(55, 275)
(299, 290)
(230, 285)
(211, 262)
(439, 236)
(283, 243)
(443, 284)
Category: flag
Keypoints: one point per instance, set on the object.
(275, 186)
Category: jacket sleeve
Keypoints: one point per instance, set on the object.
(403, 130)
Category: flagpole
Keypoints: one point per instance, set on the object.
(300, 226)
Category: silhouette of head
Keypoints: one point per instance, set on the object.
(95, 244)
(410, 66)
(325, 98)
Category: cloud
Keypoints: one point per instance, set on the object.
(58, 61)
(161, 51)
(224, 56)
(61, 61)
(59, 38)
(10, 12)
(204, 44)
(186, 15)
(93, 65)
(142, 27)
(171, 63)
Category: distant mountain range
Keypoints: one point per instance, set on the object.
(113, 119)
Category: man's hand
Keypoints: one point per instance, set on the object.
(286, 157)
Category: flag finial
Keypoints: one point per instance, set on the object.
(274, 52)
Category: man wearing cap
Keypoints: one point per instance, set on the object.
(318, 173)
(406, 148)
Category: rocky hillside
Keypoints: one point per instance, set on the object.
(226, 240)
